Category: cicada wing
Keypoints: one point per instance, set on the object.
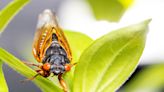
(63, 41)
(60, 34)
(42, 41)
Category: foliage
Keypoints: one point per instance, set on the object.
(10, 11)
(104, 66)
(110, 10)
(110, 60)
(149, 79)
(6, 15)
(3, 85)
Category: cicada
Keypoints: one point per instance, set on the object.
(51, 48)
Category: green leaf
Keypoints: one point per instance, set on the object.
(110, 10)
(110, 60)
(126, 3)
(10, 11)
(43, 83)
(75, 40)
(3, 85)
(149, 79)
(78, 43)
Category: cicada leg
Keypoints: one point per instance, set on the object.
(29, 79)
(62, 83)
(32, 64)
(39, 72)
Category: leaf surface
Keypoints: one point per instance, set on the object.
(3, 85)
(10, 11)
(111, 10)
(110, 60)
(149, 79)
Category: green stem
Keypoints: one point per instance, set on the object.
(3, 85)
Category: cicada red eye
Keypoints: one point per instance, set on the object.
(46, 66)
(67, 67)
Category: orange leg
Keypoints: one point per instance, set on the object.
(39, 72)
(74, 64)
(32, 64)
(62, 83)
(29, 79)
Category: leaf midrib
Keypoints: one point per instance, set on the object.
(105, 85)
(105, 70)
